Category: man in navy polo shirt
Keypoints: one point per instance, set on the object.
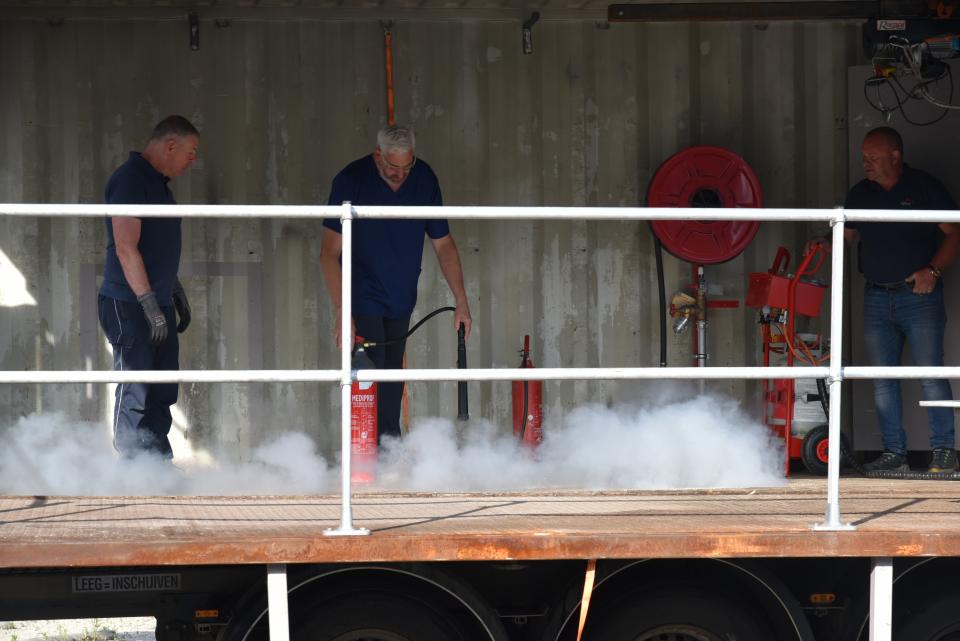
(903, 301)
(387, 254)
(141, 292)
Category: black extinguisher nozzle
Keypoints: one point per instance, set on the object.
(463, 412)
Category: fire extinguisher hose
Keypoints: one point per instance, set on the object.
(525, 353)
(523, 425)
(423, 320)
(463, 412)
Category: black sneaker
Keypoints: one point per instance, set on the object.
(944, 459)
(888, 462)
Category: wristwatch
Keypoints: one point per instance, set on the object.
(936, 272)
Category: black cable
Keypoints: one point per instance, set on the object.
(824, 393)
(914, 93)
(922, 86)
(845, 454)
(658, 251)
(423, 320)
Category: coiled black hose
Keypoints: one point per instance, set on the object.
(849, 459)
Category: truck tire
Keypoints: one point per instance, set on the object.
(375, 616)
(938, 622)
(675, 616)
(402, 602)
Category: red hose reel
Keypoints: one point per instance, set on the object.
(705, 176)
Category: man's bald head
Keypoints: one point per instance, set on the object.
(888, 136)
(882, 154)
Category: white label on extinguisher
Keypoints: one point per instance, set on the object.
(364, 385)
(363, 419)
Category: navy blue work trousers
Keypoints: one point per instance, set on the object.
(389, 395)
(141, 411)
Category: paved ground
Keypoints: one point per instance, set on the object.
(124, 629)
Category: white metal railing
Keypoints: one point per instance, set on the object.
(835, 373)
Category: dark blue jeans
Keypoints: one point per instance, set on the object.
(141, 412)
(389, 395)
(891, 319)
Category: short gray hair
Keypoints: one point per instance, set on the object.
(394, 138)
(173, 126)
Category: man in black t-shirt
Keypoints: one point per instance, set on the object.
(387, 255)
(903, 301)
(141, 292)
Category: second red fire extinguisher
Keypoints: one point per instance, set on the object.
(363, 421)
(527, 404)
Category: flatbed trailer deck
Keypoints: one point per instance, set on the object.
(892, 518)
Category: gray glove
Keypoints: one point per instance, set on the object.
(156, 321)
(182, 305)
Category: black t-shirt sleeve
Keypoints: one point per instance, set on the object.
(857, 198)
(127, 189)
(341, 190)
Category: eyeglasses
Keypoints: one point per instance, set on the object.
(405, 169)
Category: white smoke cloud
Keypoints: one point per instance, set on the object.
(702, 442)
(49, 454)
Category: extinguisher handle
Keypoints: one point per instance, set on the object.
(463, 412)
(780, 261)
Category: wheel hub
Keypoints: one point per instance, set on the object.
(370, 635)
(678, 632)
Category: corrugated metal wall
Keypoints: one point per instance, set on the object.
(283, 104)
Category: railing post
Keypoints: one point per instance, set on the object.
(832, 518)
(346, 374)
(881, 599)
(278, 615)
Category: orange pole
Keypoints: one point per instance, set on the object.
(391, 119)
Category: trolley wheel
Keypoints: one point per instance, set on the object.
(813, 450)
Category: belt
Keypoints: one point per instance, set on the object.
(889, 287)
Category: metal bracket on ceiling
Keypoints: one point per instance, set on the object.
(527, 32)
(194, 21)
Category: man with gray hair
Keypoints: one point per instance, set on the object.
(387, 254)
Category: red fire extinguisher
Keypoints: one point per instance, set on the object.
(363, 421)
(527, 404)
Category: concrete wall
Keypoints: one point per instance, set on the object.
(282, 104)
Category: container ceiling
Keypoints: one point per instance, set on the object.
(551, 9)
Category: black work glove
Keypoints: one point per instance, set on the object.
(183, 307)
(156, 321)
